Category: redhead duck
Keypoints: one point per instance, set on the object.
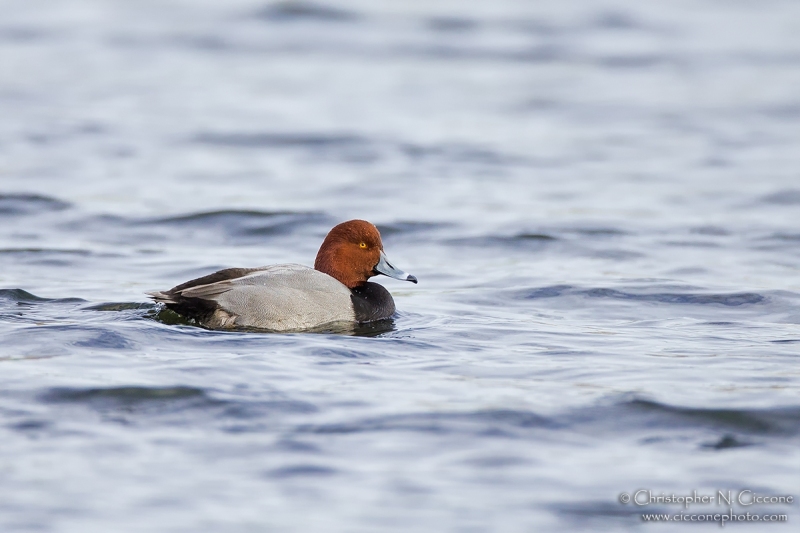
(296, 297)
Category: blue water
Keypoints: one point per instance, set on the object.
(601, 203)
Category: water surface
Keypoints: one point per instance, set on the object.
(601, 203)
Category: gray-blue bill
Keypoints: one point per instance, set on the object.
(387, 269)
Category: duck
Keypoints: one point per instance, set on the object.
(293, 297)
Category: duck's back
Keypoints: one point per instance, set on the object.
(275, 297)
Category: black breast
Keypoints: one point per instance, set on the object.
(371, 301)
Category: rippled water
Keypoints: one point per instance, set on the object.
(601, 204)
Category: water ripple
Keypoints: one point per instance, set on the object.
(731, 300)
(280, 140)
(27, 204)
(291, 11)
(23, 296)
(123, 395)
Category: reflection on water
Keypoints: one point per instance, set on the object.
(600, 204)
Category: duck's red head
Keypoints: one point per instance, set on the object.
(353, 252)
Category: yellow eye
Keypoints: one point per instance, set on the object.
(362, 245)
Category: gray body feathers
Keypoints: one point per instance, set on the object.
(276, 297)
